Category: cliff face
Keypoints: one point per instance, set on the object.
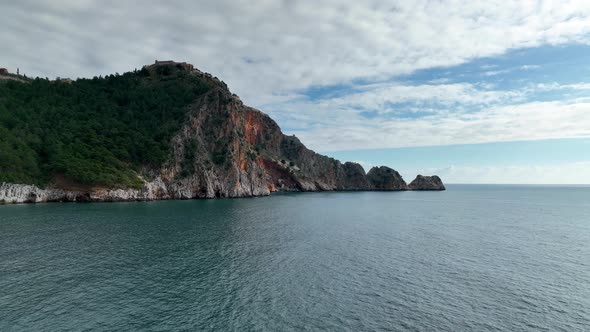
(227, 149)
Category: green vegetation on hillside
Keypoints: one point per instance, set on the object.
(98, 131)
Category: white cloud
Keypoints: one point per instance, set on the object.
(557, 86)
(529, 67)
(524, 121)
(488, 67)
(267, 48)
(495, 72)
(426, 115)
(443, 80)
(375, 96)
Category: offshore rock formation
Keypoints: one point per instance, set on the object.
(385, 178)
(355, 177)
(427, 183)
(227, 149)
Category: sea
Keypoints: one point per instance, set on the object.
(472, 258)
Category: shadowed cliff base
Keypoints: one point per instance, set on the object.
(167, 131)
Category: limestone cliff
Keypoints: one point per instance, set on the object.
(227, 149)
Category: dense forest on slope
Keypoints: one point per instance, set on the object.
(98, 131)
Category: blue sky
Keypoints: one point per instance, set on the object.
(491, 91)
(556, 161)
(547, 76)
(542, 74)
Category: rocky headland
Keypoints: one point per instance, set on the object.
(224, 149)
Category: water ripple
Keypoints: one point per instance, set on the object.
(469, 259)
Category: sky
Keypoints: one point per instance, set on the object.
(474, 91)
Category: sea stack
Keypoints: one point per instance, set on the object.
(427, 183)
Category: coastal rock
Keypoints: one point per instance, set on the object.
(427, 183)
(24, 193)
(355, 177)
(385, 178)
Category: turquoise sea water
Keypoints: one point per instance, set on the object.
(473, 258)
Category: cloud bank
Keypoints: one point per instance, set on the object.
(273, 53)
(279, 45)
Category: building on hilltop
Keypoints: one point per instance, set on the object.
(164, 63)
(3, 71)
(182, 65)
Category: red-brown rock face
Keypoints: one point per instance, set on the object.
(240, 151)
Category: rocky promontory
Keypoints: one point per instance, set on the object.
(222, 148)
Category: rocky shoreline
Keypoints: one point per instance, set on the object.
(158, 190)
